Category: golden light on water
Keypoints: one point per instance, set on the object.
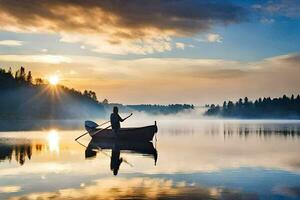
(53, 79)
(53, 141)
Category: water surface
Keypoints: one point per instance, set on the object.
(196, 159)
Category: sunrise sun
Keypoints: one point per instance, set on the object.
(53, 80)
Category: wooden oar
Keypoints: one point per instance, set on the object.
(95, 126)
(100, 130)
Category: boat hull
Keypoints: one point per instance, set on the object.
(141, 134)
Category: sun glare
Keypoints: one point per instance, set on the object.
(53, 80)
(53, 141)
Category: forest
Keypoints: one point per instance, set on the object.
(157, 109)
(263, 108)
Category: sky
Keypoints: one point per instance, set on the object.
(157, 51)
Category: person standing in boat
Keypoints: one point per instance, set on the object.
(115, 120)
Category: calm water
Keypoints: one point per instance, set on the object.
(194, 159)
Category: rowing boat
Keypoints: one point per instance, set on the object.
(141, 134)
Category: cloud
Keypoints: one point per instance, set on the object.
(292, 60)
(10, 189)
(267, 21)
(180, 45)
(102, 43)
(110, 26)
(211, 37)
(44, 58)
(11, 43)
(214, 38)
(287, 8)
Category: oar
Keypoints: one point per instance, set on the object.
(104, 123)
(101, 130)
(95, 125)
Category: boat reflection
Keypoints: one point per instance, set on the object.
(117, 147)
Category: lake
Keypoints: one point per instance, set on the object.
(190, 159)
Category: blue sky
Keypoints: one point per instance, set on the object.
(105, 38)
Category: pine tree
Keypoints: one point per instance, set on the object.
(29, 77)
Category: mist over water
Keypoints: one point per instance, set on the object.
(72, 124)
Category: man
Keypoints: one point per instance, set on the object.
(115, 120)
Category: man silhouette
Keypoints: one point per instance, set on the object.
(115, 120)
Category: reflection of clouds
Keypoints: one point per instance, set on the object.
(139, 188)
(219, 184)
(37, 168)
(10, 189)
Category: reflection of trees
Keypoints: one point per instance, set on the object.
(263, 130)
(21, 151)
(38, 147)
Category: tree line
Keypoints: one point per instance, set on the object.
(277, 108)
(162, 109)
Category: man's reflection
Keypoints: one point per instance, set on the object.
(115, 160)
